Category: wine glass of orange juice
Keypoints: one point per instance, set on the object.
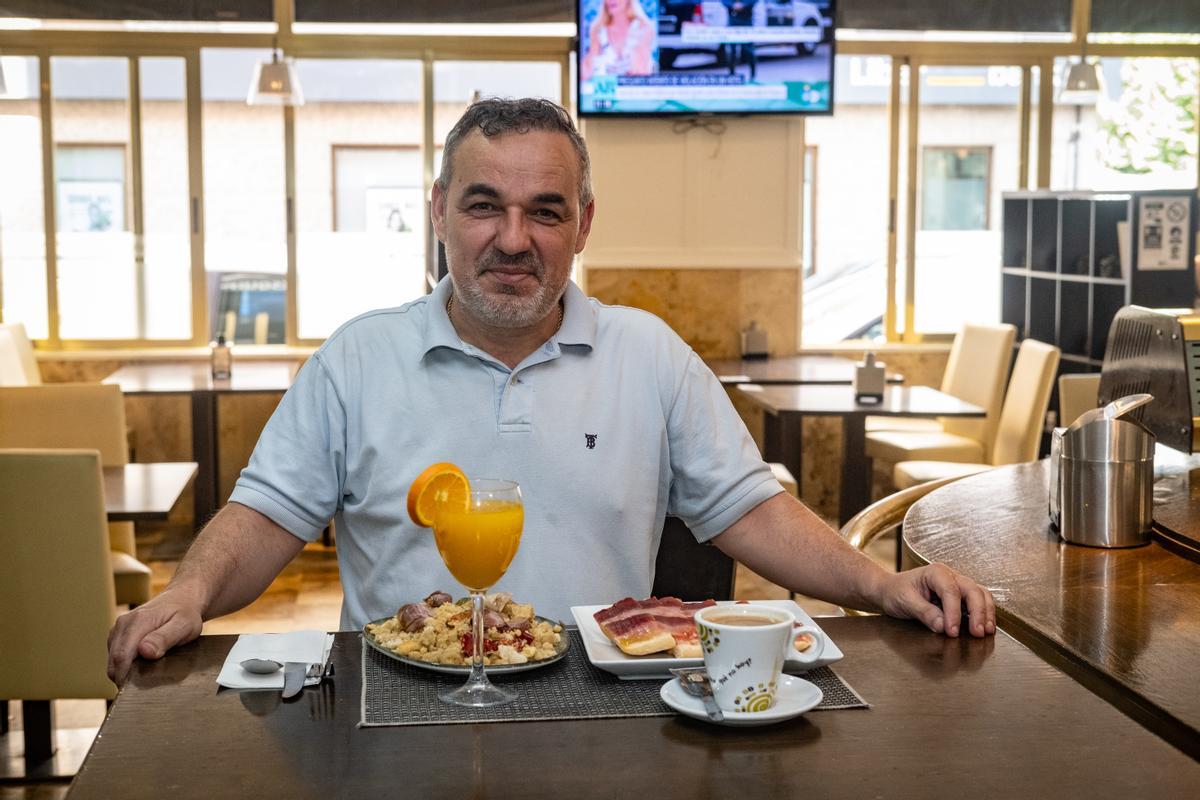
(478, 541)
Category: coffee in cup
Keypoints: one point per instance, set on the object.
(744, 648)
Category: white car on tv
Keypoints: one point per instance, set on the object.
(690, 27)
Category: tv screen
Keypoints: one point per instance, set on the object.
(643, 57)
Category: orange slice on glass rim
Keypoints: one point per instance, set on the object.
(440, 483)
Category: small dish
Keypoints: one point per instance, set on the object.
(795, 696)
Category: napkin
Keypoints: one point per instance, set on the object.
(310, 647)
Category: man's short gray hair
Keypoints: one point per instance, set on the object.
(496, 116)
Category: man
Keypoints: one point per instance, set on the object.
(603, 415)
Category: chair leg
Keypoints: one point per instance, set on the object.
(38, 716)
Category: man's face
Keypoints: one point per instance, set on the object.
(511, 223)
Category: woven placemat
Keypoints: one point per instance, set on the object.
(394, 693)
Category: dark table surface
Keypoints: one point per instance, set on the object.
(145, 491)
(898, 401)
(807, 369)
(1124, 622)
(185, 378)
(786, 406)
(950, 718)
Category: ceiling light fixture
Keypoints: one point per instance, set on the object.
(1083, 84)
(275, 83)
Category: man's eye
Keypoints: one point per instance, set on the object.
(481, 206)
(546, 213)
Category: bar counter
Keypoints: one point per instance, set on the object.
(1125, 623)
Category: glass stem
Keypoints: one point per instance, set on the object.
(477, 673)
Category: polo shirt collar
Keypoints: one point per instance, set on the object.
(578, 326)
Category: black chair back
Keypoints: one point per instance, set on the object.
(689, 570)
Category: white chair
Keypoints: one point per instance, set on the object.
(1021, 421)
(72, 415)
(18, 367)
(1077, 393)
(975, 372)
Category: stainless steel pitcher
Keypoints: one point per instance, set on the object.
(1102, 477)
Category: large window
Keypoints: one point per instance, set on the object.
(844, 291)
(22, 225)
(954, 188)
(245, 205)
(360, 201)
(97, 269)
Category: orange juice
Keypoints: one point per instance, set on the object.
(479, 543)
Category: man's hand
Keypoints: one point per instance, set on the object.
(912, 595)
(150, 631)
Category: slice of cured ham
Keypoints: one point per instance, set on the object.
(640, 627)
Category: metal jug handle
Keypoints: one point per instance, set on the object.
(1123, 405)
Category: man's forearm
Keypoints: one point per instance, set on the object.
(233, 560)
(786, 543)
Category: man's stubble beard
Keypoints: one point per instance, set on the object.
(510, 309)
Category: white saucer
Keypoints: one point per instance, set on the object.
(795, 696)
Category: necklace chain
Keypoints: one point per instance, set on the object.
(450, 312)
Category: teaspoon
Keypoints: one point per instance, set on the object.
(261, 666)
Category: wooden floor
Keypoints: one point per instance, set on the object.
(306, 595)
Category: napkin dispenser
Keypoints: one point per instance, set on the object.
(754, 342)
(869, 379)
(1102, 477)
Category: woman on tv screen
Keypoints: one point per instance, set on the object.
(620, 41)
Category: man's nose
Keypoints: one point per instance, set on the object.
(513, 236)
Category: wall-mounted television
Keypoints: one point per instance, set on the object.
(650, 57)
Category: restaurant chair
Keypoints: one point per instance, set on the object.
(975, 372)
(57, 588)
(73, 415)
(885, 515)
(23, 369)
(689, 570)
(1021, 422)
(1077, 393)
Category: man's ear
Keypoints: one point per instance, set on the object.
(585, 226)
(437, 211)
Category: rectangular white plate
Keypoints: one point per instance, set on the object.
(608, 657)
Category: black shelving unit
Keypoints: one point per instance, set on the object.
(1064, 278)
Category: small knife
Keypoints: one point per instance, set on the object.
(294, 673)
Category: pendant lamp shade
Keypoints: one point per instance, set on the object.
(275, 84)
(1083, 85)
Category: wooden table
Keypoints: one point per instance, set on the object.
(786, 406)
(145, 491)
(195, 380)
(950, 718)
(1125, 623)
(797, 369)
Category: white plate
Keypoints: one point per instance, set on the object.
(795, 696)
(608, 657)
(457, 669)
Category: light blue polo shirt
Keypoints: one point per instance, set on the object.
(610, 425)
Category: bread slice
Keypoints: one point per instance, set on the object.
(645, 645)
(688, 649)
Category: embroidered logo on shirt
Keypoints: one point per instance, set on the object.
(591, 440)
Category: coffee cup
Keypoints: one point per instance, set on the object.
(744, 647)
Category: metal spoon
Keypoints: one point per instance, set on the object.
(694, 681)
(261, 666)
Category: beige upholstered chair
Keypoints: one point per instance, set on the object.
(57, 588)
(1077, 393)
(975, 372)
(15, 331)
(1021, 421)
(73, 415)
